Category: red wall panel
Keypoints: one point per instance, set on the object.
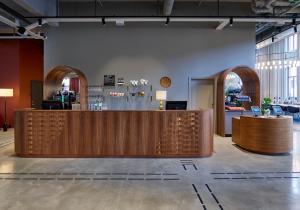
(31, 68)
(9, 71)
(20, 62)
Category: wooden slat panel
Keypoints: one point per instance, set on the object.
(113, 133)
(236, 130)
(265, 135)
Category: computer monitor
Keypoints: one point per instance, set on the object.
(176, 105)
(277, 110)
(256, 111)
(52, 105)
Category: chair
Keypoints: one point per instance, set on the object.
(284, 109)
(295, 111)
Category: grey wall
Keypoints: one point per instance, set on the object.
(149, 52)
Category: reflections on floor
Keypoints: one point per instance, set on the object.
(231, 179)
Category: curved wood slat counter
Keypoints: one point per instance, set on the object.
(44, 133)
(263, 135)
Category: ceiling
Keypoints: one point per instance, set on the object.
(196, 1)
(25, 11)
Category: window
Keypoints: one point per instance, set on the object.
(292, 82)
(281, 81)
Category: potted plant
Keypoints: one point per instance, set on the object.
(265, 106)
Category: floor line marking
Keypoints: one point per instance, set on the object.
(215, 198)
(199, 197)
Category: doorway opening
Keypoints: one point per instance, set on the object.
(201, 93)
(66, 81)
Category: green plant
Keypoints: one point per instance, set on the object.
(265, 104)
(238, 104)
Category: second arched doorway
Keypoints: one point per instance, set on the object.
(251, 88)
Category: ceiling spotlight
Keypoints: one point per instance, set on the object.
(120, 22)
(167, 21)
(40, 22)
(21, 30)
(103, 21)
(294, 22)
(43, 35)
(231, 21)
(295, 29)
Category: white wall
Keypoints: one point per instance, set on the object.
(149, 52)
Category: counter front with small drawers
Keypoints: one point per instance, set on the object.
(134, 133)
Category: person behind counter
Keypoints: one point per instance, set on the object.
(60, 100)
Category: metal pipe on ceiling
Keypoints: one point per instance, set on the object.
(168, 6)
(14, 13)
(17, 25)
(172, 19)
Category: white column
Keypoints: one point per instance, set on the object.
(298, 69)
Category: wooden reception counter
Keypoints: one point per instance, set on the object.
(49, 133)
(268, 135)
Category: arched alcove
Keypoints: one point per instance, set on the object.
(54, 80)
(251, 88)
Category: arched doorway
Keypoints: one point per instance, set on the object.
(251, 88)
(54, 78)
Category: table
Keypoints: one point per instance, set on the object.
(267, 135)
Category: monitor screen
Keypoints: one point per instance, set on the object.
(256, 110)
(277, 110)
(176, 105)
(52, 105)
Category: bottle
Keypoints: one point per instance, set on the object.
(97, 104)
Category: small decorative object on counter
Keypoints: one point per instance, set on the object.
(161, 95)
(144, 82)
(134, 82)
(120, 81)
(76, 106)
(141, 93)
(265, 106)
(117, 94)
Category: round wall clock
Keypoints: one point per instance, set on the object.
(165, 82)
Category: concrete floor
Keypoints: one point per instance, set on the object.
(231, 179)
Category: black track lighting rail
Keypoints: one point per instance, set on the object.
(172, 16)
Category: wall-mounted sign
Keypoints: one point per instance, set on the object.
(109, 80)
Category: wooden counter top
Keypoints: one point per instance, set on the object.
(270, 135)
(113, 133)
(106, 110)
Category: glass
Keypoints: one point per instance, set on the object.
(293, 72)
(292, 87)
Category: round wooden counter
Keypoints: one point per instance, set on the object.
(268, 135)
